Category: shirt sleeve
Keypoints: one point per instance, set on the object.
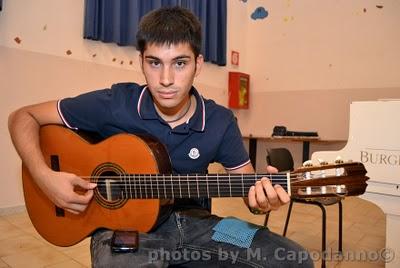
(87, 111)
(231, 152)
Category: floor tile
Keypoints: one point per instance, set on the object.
(8, 230)
(40, 257)
(3, 264)
(17, 244)
(67, 264)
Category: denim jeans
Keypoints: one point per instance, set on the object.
(184, 240)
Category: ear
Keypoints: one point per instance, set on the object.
(199, 64)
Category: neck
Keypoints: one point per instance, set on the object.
(144, 186)
(172, 115)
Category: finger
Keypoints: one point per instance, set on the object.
(82, 199)
(87, 185)
(272, 196)
(261, 198)
(252, 198)
(74, 205)
(76, 208)
(282, 194)
(272, 169)
(72, 211)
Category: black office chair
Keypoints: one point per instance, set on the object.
(282, 159)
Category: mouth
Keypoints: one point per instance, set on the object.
(167, 94)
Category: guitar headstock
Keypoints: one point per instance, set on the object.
(328, 180)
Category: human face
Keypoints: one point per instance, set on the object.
(169, 71)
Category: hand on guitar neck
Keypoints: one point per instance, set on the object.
(263, 196)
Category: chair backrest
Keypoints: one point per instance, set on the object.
(281, 158)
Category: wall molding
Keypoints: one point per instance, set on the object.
(12, 210)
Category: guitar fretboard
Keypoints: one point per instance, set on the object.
(150, 186)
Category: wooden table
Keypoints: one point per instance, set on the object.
(306, 140)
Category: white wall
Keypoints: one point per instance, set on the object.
(306, 56)
(324, 45)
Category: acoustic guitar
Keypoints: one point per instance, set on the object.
(133, 176)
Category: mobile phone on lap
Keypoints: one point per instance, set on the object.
(124, 241)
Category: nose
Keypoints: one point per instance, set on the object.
(167, 76)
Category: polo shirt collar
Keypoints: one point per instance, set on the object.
(147, 111)
(198, 121)
(145, 105)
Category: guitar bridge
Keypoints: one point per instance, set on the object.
(55, 165)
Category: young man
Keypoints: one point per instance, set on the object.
(195, 131)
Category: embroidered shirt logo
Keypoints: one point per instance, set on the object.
(194, 153)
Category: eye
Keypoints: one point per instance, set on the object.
(180, 63)
(154, 63)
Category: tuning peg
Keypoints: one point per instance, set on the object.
(322, 162)
(308, 163)
(323, 189)
(308, 190)
(340, 188)
(339, 171)
(339, 160)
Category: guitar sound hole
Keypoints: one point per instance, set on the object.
(110, 191)
(109, 186)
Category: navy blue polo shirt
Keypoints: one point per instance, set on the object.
(210, 135)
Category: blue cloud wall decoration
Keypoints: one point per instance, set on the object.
(259, 13)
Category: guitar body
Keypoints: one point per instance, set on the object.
(67, 151)
(133, 176)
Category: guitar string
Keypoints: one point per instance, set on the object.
(181, 179)
(149, 182)
(204, 193)
(185, 182)
(154, 183)
(190, 177)
(181, 182)
(171, 194)
(223, 191)
(236, 188)
(114, 179)
(196, 175)
(153, 180)
(142, 182)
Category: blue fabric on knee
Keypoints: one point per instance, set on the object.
(235, 231)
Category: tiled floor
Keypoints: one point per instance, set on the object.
(363, 230)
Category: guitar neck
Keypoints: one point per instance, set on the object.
(158, 186)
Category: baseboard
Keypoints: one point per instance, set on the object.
(12, 210)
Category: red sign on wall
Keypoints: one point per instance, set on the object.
(235, 58)
(239, 85)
